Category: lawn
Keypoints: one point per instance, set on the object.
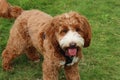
(101, 59)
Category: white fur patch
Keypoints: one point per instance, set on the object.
(75, 59)
(62, 63)
(71, 37)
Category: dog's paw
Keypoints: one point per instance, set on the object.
(8, 68)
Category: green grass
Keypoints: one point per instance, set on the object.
(101, 59)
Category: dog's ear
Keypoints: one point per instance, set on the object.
(87, 29)
(50, 32)
(87, 33)
(54, 30)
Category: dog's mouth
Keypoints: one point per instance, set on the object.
(71, 51)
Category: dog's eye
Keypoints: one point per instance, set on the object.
(63, 31)
(78, 29)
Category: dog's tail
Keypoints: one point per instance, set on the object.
(9, 11)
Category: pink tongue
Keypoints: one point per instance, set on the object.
(72, 52)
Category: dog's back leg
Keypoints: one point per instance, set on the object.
(14, 48)
(32, 54)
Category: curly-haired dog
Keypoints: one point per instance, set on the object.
(59, 39)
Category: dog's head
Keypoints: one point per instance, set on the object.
(71, 32)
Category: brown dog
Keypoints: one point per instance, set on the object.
(59, 39)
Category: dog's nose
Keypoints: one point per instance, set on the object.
(72, 44)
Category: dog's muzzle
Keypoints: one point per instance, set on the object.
(70, 45)
(71, 50)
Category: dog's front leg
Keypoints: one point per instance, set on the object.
(50, 70)
(72, 72)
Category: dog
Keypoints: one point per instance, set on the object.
(58, 39)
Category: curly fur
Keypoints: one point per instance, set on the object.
(37, 32)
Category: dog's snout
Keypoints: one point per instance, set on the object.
(72, 44)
